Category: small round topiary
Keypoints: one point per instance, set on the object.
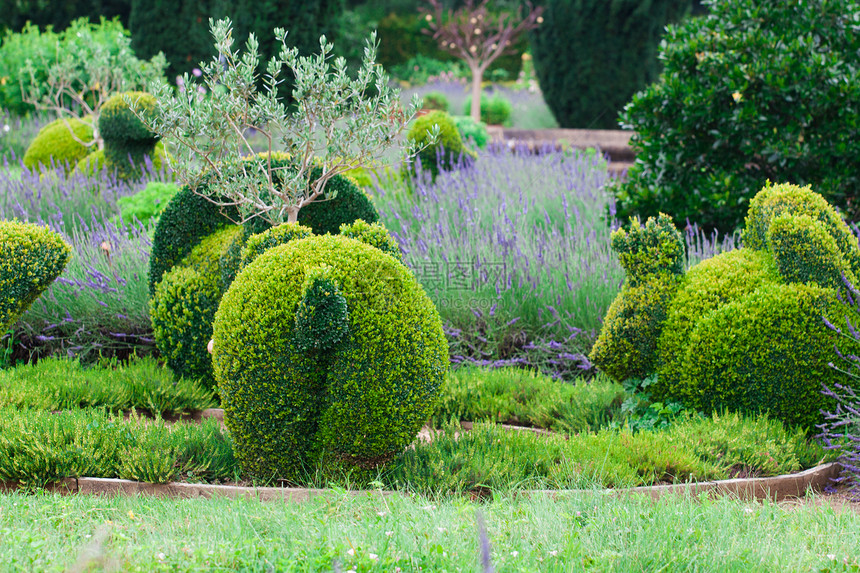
(448, 150)
(763, 352)
(61, 143)
(31, 258)
(435, 101)
(472, 132)
(348, 204)
(183, 306)
(495, 109)
(119, 125)
(355, 400)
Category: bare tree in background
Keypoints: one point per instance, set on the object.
(478, 37)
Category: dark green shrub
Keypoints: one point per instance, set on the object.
(591, 56)
(472, 131)
(183, 307)
(753, 91)
(186, 220)
(157, 25)
(356, 404)
(373, 234)
(448, 150)
(31, 258)
(61, 142)
(148, 203)
(495, 109)
(350, 203)
(96, 162)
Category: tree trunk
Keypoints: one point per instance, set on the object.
(477, 78)
(293, 215)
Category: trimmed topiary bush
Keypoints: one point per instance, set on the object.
(496, 109)
(355, 397)
(96, 162)
(56, 145)
(435, 101)
(753, 91)
(373, 234)
(471, 131)
(744, 330)
(31, 258)
(349, 204)
(183, 306)
(256, 245)
(148, 203)
(448, 150)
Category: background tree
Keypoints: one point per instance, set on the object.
(477, 37)
(335, 124)
(591, 56)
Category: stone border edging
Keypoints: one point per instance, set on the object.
(776, 488)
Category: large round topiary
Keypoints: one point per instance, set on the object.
(356, 396)
(61, 143)
(446, 152)
(766, 352)
(183, 306)
(96, 161)
(31, 258)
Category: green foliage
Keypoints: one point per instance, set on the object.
(126, 139)
(257, 244)
(39, 447)
(97, 161)
(448, 148)
(776, 200)
(495, 109)
(627, 344)
(355, 405)
(375, 235)
(147, 204)
(705, 288)
(694, 448)
(186, 220)
(322, 319)
(55, 384)
(653, 249)
(747, 93)
(57, 145)
(764, 352)
(591, 56)
(528, 398)
(183, 307)
(435, 101)
(639, 412)
(805, 252)
(31, 258)
(472, 132)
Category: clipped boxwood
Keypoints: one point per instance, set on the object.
(373, 234)
(448, 150)
(358, 400)
(496, 109)
(146, 204)
(31, 258)
(96, 162)
(183, 307)
(127, 139)
(764, 352)
(471, 131)
(745, 329)
(55, 143)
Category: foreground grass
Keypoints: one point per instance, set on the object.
(579, 532)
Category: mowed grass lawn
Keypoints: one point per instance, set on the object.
(576, 532)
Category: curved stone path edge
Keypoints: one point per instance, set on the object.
(775, 488)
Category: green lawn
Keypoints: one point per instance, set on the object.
(581, 532)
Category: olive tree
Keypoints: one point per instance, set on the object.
(335, 123)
